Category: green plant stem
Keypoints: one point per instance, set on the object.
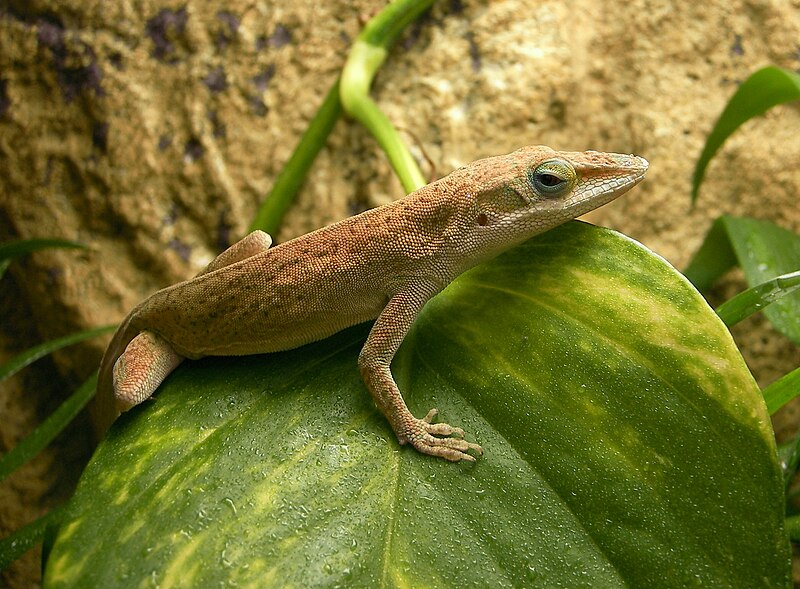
(288, 183)
(49, 429)
(369, 52)
(366, 56)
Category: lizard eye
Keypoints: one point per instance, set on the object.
(552, 178)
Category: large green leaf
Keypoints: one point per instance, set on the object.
(626, 446)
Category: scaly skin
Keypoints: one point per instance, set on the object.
(385, 263)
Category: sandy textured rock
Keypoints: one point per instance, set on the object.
(151, 130)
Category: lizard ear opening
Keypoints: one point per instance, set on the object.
(552, 178)
(482, 219)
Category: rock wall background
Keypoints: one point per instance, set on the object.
(151, 129)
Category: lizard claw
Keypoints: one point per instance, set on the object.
(423, 437)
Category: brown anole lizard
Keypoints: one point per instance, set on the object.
(383, 264)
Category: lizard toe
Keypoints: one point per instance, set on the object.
(452, 449)
(424, 439)
(430, 415)
(443, 429)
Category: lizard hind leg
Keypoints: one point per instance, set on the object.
(252, 244)
(146, 362)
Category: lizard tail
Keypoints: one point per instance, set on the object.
(105, 406)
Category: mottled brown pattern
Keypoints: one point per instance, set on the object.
(385, 263)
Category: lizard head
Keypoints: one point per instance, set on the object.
(535, 189)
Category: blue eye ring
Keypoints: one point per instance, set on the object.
(552, 177)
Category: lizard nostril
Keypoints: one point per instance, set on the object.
(483, 220)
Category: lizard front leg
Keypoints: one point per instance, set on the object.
(374, 362)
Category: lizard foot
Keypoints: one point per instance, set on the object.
(422, 435)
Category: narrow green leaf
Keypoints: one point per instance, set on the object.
(18, 543)
(30, 356)
(782, 390)
(764, 89)
(758, 298)
(713, 259)
(14, 249)
(765, 251)
(601, 386)
(793, 527)
(789, 457)
(40, 437)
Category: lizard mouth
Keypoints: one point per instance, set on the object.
(603, 188)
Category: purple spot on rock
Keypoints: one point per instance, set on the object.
(100, 136)
(262, 80)
(72, 79)
(217, 125)
(193, 151)
(230, 24)
(281, 36)
(215, 80)
(171, 216)
(53, 275)
(415, 30)
(115, 59)
(75, 79)
(5, 101)
(51, 36)
(456, 6)
(474, 53)
(163, 29)
(180, 248)
(223, 232)
(736, 47)
(258, 107)
(229, 19)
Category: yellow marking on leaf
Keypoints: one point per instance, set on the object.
(66, 566)
(184, 564)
